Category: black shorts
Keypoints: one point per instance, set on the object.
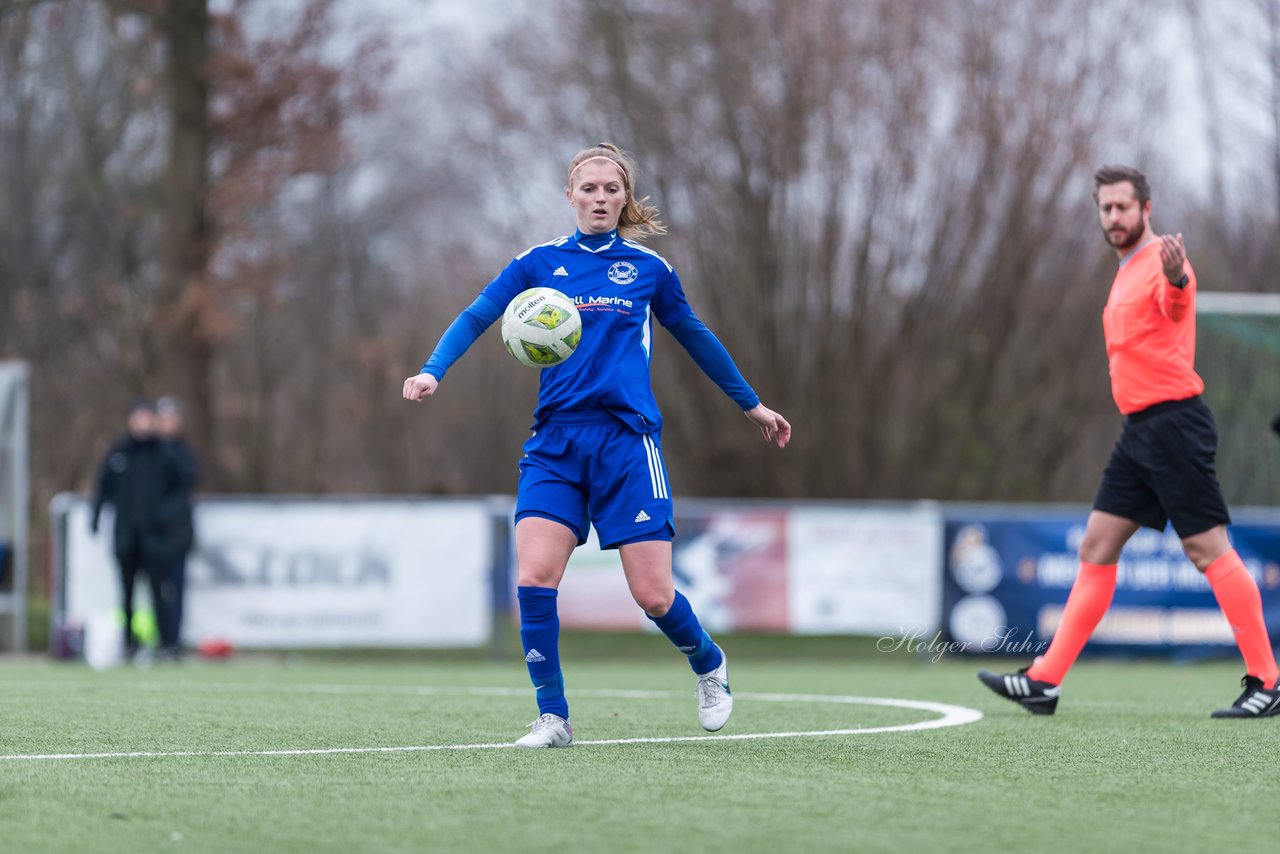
(1162, 469)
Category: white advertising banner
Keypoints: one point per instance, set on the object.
(865, 571)
(859, 570)
(312, 573)
(729, 561)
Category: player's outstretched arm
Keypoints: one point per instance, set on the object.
(774, 427)
(419, 387)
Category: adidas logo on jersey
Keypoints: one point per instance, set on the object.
(560, 271)
(533, 655)
(642, 516)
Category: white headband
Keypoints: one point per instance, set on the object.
(598, 157)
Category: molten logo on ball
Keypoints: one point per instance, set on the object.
(541, 327)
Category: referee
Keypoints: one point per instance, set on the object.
(1162, 468)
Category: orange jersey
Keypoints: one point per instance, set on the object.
(1150, 330)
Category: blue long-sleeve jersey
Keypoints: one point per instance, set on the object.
(620, 287)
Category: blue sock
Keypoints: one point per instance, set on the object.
(540, 636)
(681, 626)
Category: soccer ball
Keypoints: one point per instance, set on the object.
(541, 327)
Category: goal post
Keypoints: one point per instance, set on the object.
(14, 502)
(1238, 356)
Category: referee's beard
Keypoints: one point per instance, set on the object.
(1126, 238)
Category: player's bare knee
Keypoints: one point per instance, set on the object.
(536, 576)
(655, 602)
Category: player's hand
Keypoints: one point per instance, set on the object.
(774, 427)
(1172, 255)
(419, 387)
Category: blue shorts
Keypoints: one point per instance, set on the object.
(585, 469)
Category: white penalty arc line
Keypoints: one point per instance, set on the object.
(950, 716)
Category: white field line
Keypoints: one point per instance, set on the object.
(950, 716)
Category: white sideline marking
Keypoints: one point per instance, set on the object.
(950, 716)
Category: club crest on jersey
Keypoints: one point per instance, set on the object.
(623, 273)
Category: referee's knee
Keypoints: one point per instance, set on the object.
(1205, 548)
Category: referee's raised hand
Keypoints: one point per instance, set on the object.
(1173, 255)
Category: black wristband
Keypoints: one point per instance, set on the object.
(1181, 283)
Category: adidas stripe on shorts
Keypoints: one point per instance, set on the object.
(589, 468)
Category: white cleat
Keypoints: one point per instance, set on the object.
(715, 703)
(547, 731)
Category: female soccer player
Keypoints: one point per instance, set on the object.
(595, 456)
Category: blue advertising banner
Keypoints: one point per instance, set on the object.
(1008, 574)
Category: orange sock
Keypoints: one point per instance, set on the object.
(1089, 600)
(1238, 597)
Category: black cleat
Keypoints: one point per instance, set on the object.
(1038, 698)
(1255, 702)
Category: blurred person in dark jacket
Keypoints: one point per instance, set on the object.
(141, 479)
(177, 526)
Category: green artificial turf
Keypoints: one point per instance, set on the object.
(1131, 761)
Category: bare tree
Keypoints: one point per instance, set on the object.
(182, 300)
(882, 208)
(883, 216)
